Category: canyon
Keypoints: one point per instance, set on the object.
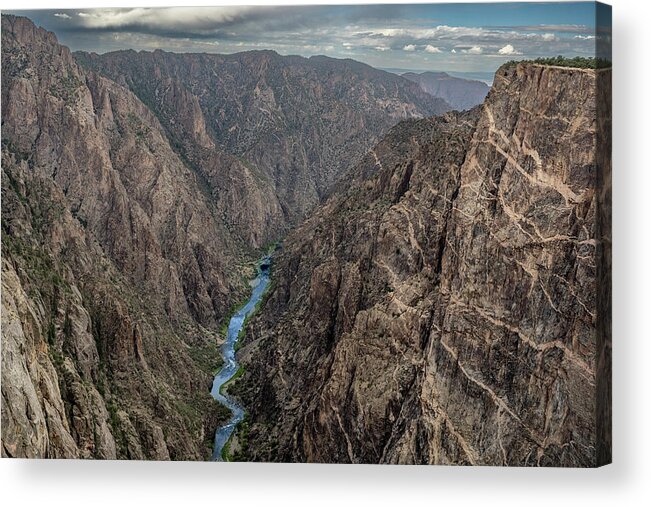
(130, 227)
(439, 292)
(294, 124)
(451, 305)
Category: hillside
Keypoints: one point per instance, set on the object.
(443, 309)
(298, 123)
(114, 268)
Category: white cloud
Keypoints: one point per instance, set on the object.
(429, 33)
(299, 30)
(185, 17)
(432, 49)
(508, 50)
(475, 50)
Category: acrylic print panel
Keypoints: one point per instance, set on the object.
(341, 234)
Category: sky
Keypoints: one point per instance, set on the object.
(454, 37)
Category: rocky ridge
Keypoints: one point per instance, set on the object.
(114, 268)
(444, 309)
(294, 123)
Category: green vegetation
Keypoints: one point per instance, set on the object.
(225, 450)
(207, 357)
(238, 374)
(223, 412)
(18, 156)
(66, 89)
(116, 429)
(271, 247)
(242, 434)
(578, 62)
(140, 130)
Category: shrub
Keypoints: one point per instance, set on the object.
(578, 62)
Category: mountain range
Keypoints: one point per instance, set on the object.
(460, 93)
(439, 293)
(132, 206)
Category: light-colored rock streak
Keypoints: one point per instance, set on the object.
(584, 369)
(501, 404)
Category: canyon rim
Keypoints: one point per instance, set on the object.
(229, 235)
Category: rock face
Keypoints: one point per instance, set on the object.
(460, 93)
(444, 308)
(131, 205)
(295, 123)
(113, 265)
(448, 303)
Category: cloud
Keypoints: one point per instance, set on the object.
(188, 17)
(550, 28)
(376, 34)
(508, 50)
(427, 33)
(432, 49)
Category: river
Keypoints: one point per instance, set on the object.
(258, 284)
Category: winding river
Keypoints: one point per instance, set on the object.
(259, 284)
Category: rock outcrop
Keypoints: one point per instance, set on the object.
(445, 307)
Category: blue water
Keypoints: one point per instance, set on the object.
(259, 284)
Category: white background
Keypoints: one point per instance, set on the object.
(626, 482)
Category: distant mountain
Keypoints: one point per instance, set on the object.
(486, 77)
(460, 93)
(297, 122)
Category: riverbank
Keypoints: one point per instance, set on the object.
(231, 367)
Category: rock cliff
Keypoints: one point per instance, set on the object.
(135, 191)
(114, 265)
(295, 123)
(444, 308)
